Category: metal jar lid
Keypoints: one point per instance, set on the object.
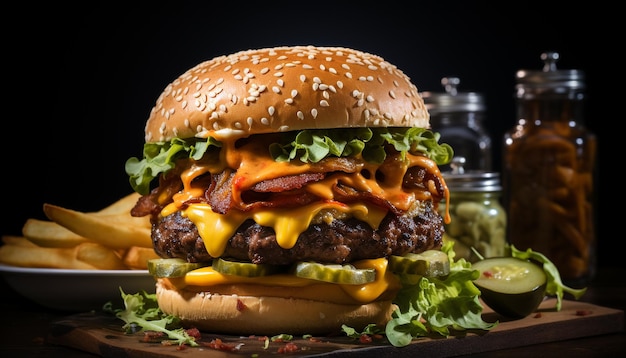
(549, 80)
(459, 180)
(452, 100)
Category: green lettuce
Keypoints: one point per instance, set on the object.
(437, 305)
(306, 145)
(141, 310)
(313, 145)
(159, 157)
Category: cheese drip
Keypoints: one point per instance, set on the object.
(288, 223)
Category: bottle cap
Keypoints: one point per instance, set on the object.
(452, 100)
(549, 80)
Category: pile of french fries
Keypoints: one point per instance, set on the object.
(109, 239)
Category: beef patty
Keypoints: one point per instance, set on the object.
(340, 242)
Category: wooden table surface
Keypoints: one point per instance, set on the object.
(25, 327)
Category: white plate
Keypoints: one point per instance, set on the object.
(76, 290)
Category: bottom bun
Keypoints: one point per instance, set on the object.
(249, 315)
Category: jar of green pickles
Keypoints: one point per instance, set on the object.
(478, 219)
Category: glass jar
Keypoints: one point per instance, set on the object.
(478, 220)
(548, 171)
(458, 117)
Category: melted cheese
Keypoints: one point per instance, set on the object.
(288, 223)
(369, 292)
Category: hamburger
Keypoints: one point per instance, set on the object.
(280, 183)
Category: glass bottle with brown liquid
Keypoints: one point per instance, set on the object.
(548, 171)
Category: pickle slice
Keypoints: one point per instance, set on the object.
(174, 267)
(430, 263)
(246, 269)
(342, 274)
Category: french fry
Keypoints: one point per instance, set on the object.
(102, 258)
(119, 231)
(50, 234)
(137, 257)
(122, 206)
(17, 241)
(85, 256)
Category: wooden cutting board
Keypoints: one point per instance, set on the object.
(101, 334)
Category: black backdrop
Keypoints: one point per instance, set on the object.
(83, 81)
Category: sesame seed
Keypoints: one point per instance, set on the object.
(275, 89)
(307, 67)
(392, 94)
(294, 93)
(348, 74)
(302, 78)
(324, 103)
(314, 113)
(265, 121)
(283, 128)
(340, 84)
(370, 99)
(289, 100)
(264, 70)
(278, 74)
(300, 115)
(271, 110)
(332, 70)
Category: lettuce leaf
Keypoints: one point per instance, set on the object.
(313, 145)
(306, 145)
(142, 310)
(437, 305)
(159, 157)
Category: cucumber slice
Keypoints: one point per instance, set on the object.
(341, 274)
(171, 267)
(512, 287)
(246, 269)
(430, 263)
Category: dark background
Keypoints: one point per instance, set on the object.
(82, 81)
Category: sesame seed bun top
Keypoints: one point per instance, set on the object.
(284, 89)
